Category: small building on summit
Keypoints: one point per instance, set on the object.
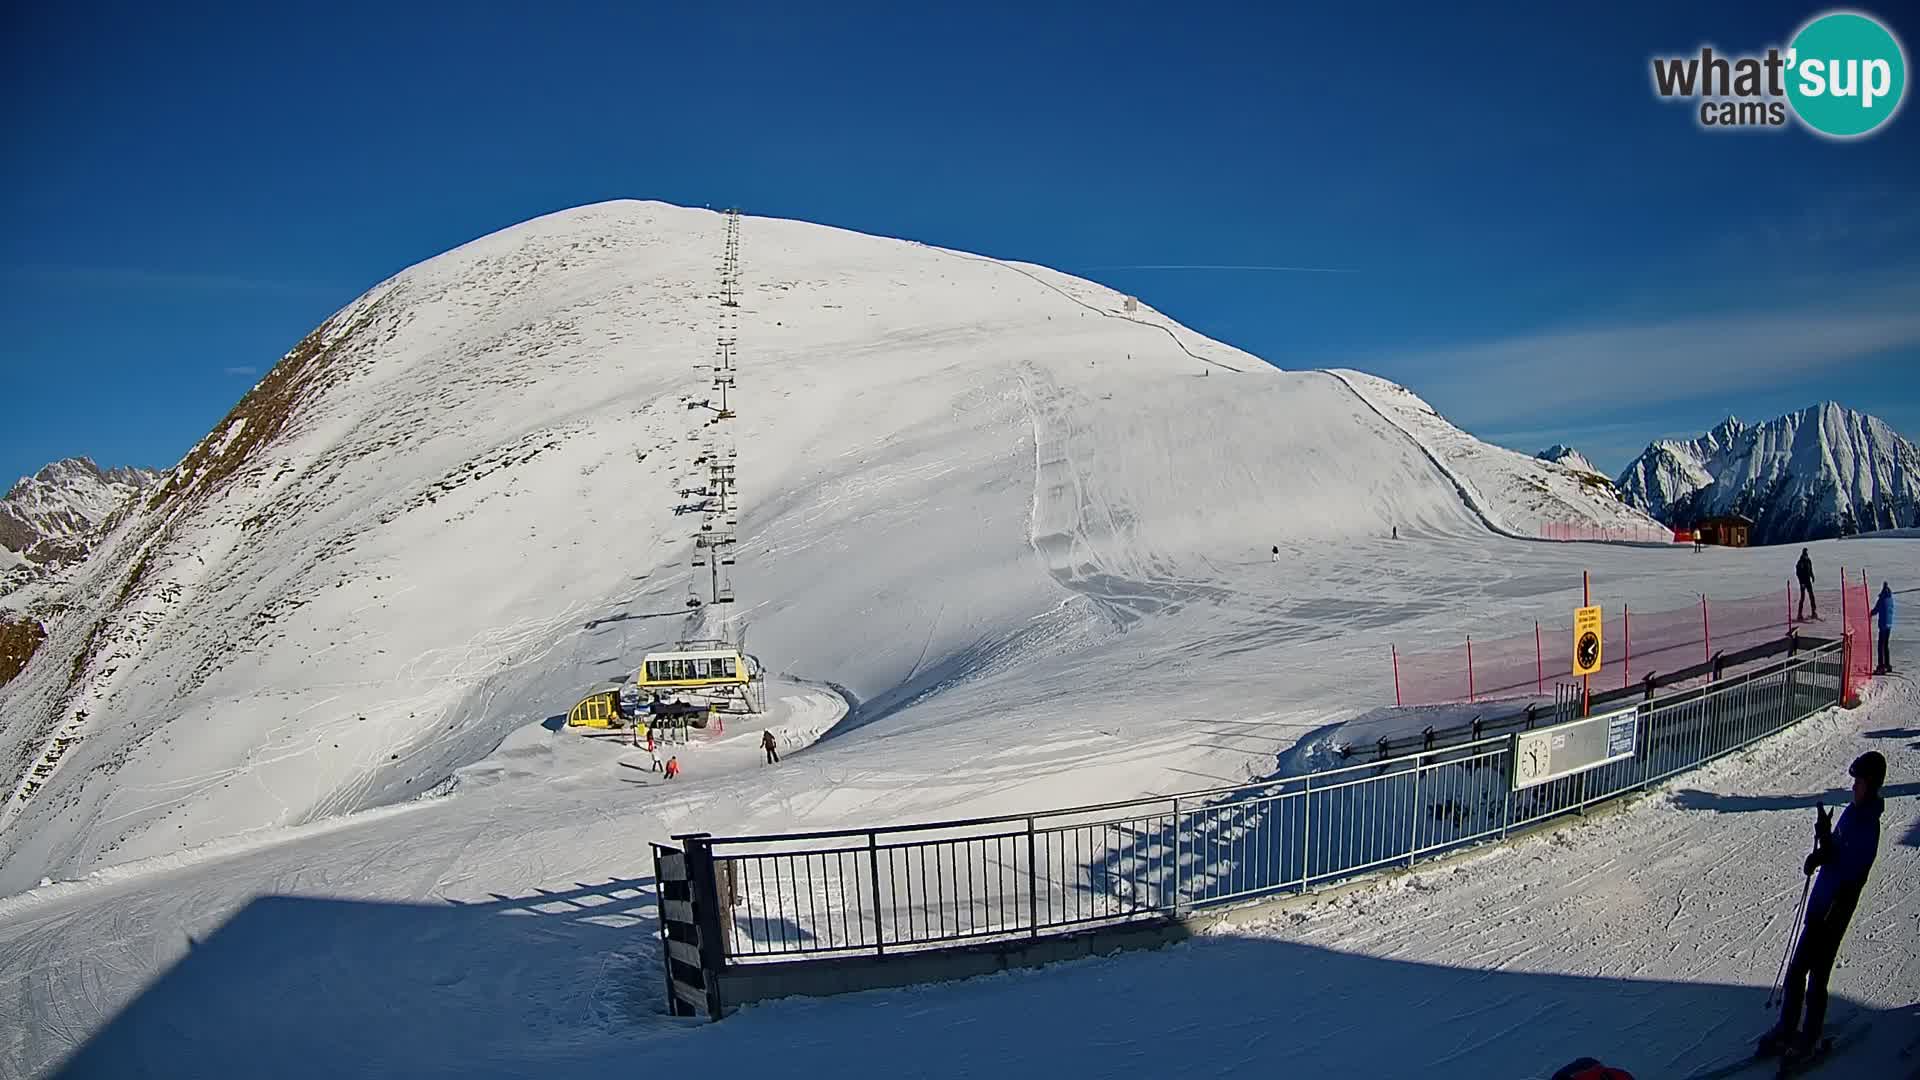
(1725, 530)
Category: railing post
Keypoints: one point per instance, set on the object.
(879, 921)
(704, 889)
(1506, 788)
(1413, 835)
(1396, 675)
(1033, 886)
(1306, 833)
(1179, 835)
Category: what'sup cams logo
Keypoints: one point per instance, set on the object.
(1843, 76)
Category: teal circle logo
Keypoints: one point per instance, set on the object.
(1846, 74)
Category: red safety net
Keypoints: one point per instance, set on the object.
(1857, 601)
(1625, 534)
(1636, 644)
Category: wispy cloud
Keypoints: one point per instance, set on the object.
(243, 370)
(1252, 269)
(1529, 378)
(119, 277)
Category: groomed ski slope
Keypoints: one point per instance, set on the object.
(970, 488)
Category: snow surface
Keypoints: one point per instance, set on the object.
(1821, 472)
(1020, 528)
(960, 476)
(1648, 938)
(1511, 492)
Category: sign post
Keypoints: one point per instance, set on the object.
(1587, 647)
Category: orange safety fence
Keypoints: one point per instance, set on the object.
(1623, 534)
(1856, 615)
(1636, 644)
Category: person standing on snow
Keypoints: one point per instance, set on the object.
(1276, 553)
(1804, 571)
(653, 754)
(673, 767)
(766, 743)
(1883, 610)
(1842, 855)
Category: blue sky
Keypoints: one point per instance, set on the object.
(1535, 244)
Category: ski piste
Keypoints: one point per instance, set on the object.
(1840, 1038)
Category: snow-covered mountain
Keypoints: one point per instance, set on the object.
(1568, 457)
(1822, 472)
(458, 503)
(48, 517)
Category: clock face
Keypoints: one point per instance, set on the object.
(1588, 650)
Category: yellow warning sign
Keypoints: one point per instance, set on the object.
(1586, 641)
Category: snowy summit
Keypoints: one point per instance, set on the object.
(1822, 472)
(452, 508)
(49, 516)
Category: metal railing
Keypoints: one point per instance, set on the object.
(954, 883)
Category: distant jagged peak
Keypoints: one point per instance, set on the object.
(1821, 471)
(1564, 455)
(47, 517)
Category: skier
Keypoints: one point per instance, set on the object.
(1276, 553)
(1883, 609)
(766, 743)
(673, 767)
(1804, 571)
(1396, 532)
(653, 754)
(1842, 855)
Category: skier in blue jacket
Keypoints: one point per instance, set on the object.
(1842, 855)
(1883, 609)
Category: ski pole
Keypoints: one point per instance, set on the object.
(1793, 928)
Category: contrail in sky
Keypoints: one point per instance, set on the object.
(1266, 269)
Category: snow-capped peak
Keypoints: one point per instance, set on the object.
(1823, 471)
(1567, 456)
(47, 517)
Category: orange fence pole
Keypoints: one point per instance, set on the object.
(1706, 627)
(1396, 674)
(1469, 667)
(1539, 662)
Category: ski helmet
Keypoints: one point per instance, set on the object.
(1870, 767)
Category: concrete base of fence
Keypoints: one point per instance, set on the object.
(743, 984)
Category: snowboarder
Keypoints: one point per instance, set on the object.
(673, 767)
(767, 744)
(1804, 571)
(1883, 610)
(1842, 855)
